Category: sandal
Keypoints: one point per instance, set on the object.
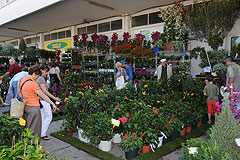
(45, 138)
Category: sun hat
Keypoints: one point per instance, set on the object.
(163, 60)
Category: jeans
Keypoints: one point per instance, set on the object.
(15, 90)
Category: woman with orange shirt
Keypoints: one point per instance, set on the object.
(30, 90)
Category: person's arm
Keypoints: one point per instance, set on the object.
(45, 97)
(45, 91)
(231, 74)
(170, 71)
(231, 80)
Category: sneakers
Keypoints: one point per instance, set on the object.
(5, 104)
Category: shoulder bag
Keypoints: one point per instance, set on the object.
(17, 107)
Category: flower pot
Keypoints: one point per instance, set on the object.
(188, 130)
(117, 138)
(131, 154)
(237, 140)
(168, 46)
(145, 149)
(192, 150)
(86, 140)
(182, 133)
(199, 124)
(105, 145)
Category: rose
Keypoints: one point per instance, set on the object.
(156, 112)
(124, 119)
(116, 107)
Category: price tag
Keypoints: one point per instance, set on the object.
(115, 122)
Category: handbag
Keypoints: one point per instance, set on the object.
(120, 82)
(17, 107)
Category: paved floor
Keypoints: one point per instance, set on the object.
(61, 149)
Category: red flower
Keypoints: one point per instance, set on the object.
(76, 37)
(124, 119)
(156, 112)
(116, 107)
(127, 138)
(119, 119)
(129, 115)
(82, 89)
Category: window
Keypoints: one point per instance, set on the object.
(47, 37)
(36, 39)
(81, 30)
(153, 18)
(115, 25)
(28, 40)
(15, 43)
(53, 36)
(140, 20)
(103, 27)
(68, 33)
(235, 41)
(61, 34)
(92, 29)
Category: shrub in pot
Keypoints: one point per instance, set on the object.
(98, 127)
(131, 143)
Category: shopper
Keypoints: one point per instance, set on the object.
(29, 90)
(233, 73)
(164, 70)
(120, 76)
(55, 74)
(212, 92)
(129, 71)
(46, 110)
(1, 100)
(14, 69)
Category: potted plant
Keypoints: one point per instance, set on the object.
(131, 143)
(98, 129)
(174, 28)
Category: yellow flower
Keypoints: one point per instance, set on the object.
(158, 101)
(65, 99)
(22, 122)
(163, 90)
(144, 93)
(140, 103)
(100, 90)
(81, 93)
(13, 115)
(145, 86)
(192, 94)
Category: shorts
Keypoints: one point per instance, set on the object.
(212, 106)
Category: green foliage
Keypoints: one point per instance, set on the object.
(98, 127)
(22, 45)
(131, 141)
(25, 148)
(224, 132)
(236, 49)
(220, 68)
(212, 18)
(214, 57)
(178, 46)
(205, 150)
(9, 127)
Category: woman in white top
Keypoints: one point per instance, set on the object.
(120, 77)
(55, 75)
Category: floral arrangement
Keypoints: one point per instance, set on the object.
(194, 53)
(131, 141)
(215, 41)
(155, 36)
(114, 39)
(126, 35)
(75, 39)
(174, 18)
(57, 56)
(84, 39)
(94, 38)
(102, 43)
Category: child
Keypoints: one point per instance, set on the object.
(212, 92)
(1, 100)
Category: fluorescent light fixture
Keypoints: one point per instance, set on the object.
(100, 5)
(18, 29)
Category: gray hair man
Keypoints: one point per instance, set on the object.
(233, 73)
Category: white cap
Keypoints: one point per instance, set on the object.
(11, 60)
(163, 60)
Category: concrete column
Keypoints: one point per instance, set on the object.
(73, 32)
(126, 22)
(41, 41)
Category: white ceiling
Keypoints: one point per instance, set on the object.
(71, 12)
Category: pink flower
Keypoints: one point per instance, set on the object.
(116, 107)
(119, 119)
(124, 119)
(156, 112)
(129, 115)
